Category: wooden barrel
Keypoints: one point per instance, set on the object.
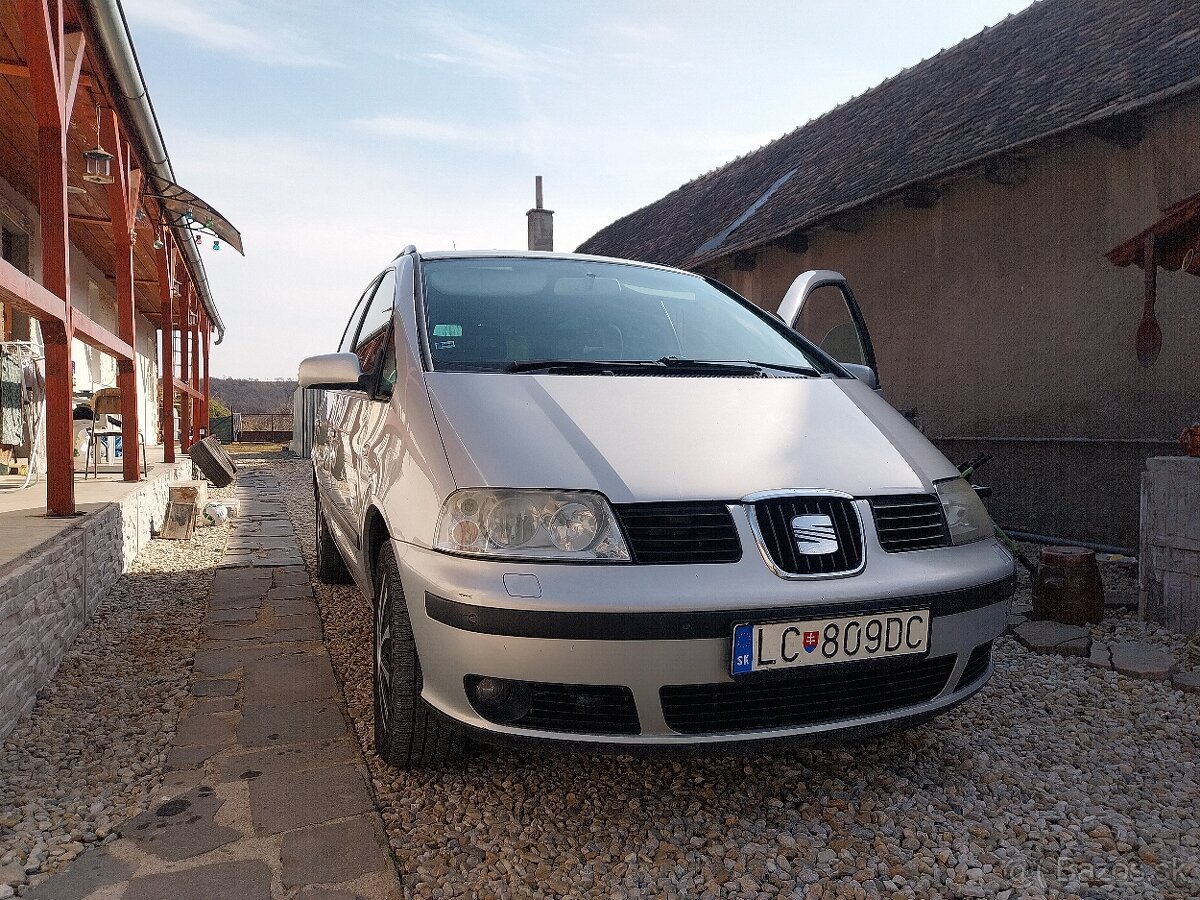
(1067, 587)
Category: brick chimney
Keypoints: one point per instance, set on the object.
(541, 222)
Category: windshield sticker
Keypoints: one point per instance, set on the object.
(447, 331)
(443, 345)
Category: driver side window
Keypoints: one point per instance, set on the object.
(825, 320)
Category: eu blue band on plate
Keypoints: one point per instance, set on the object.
(743, 649)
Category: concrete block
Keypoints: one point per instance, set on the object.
(287, 800)
(242, 880)
(340, 851)
(1138, 660)
(1054, 637)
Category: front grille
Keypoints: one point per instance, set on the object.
(680, 532)
(810, 696)
(783, 529)
(575, 708)
(910, 522)
(976, 665)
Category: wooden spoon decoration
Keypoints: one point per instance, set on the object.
(1149, 338)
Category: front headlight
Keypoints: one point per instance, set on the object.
(525, 524)
(966, 515)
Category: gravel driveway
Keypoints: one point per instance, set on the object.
(1056, 779)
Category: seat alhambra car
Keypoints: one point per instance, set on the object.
(603, 504)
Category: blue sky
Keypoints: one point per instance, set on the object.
(332, 134)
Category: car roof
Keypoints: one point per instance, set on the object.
(540, 254)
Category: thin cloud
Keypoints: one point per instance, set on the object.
(265, 42)
(463, 43)
(428, 130)
(433, 131)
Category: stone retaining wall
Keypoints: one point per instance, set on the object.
(49, 594)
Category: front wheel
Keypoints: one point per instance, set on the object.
(408, 732)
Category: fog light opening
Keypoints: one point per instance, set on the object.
(498, 700)
(492, 692)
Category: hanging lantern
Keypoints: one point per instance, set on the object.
(99, 160)
(99, 165)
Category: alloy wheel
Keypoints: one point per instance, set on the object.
(383, 656)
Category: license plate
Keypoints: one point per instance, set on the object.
(770, 646)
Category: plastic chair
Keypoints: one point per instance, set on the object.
(106, 422)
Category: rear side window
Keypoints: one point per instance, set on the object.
(376, 324)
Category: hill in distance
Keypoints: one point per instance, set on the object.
(252, 395)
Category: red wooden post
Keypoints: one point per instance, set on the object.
(194, 378)
(185, 399)
(207, 347)
(121, 209)
(166, 374)
(52, 82)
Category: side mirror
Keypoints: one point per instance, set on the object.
(331, 371)
(863, 373)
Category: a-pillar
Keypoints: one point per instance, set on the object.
(166, 375)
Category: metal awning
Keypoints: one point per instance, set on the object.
(1173, 241)
(187, 211)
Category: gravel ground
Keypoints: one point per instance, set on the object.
(90, 753)
(1057, 779)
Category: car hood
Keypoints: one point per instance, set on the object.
(677, 438)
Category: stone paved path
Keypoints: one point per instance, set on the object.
(266, 798)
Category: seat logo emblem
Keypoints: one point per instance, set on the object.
(814, 535)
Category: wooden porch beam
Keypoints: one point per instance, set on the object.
(73, 55)
(17, 69)
(184, 388)
(96, 335)
(22, 292)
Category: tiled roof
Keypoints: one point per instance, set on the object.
(1057, 65)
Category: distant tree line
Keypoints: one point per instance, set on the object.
(251, 395)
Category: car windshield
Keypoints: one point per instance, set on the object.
(506, 314)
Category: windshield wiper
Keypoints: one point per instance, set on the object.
(709, 366)
(572, 365)
(667, 364)
(784, 367)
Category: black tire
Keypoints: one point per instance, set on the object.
(331, 568)
(409, 733)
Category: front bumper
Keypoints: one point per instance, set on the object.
(655, 633)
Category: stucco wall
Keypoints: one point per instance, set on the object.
(996, 315)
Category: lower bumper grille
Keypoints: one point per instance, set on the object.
(976, 665)
(813, 697)
(576, 708)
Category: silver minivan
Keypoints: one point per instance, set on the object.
(604, 504)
